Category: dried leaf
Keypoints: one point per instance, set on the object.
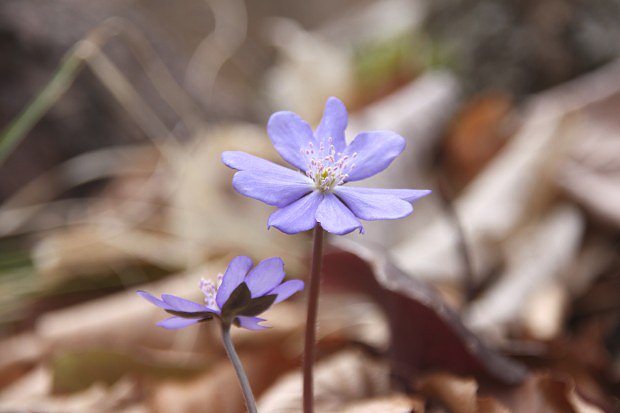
(96, 399)
(477, 134)
(78, 370)
(520, 180)
(36, 384)
(19, 353)
(459, 395)
(597, 192)
(425, 332)
(219, 390)
(538, 255)
(544, 311)
(591, 176)
(340, 379)
(543, 393)
(122, 320)
(390, 404)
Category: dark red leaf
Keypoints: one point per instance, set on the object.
(426, 333)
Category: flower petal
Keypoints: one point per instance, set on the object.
(154, 300)
(265, 276)
(272, 187)
(333, 124)
(375, 151)
(251, 323)
(243, 161)
(286, 289)
(174, 323)
(234, 275)
(299, 216)
(335, 217)
(409, 195)
(289, 135)
(373, 206)
(181, 304)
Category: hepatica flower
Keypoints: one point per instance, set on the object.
(317, 191)
(241, 295)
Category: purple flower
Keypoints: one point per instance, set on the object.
(327, 163)
(242, 293)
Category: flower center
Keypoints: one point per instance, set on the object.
(327, 168)
(209, 289)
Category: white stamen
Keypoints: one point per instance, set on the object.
(209, 289)
(327, 168)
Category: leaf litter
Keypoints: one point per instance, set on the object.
(398, 332)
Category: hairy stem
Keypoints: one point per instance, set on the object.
(313, 306)
(243, 378)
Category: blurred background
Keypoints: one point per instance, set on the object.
(500, 293)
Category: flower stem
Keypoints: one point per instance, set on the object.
(313, 306)
(243, 378)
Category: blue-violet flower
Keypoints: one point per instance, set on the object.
(240, 295)
(327, 163)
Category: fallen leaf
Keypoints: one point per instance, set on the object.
(539, 254)
(543, 393)
(96, 399)
(458, 394)
(78, 370)
(519, 181)
(425, 333)
(398, 403)
(477, 134)
(340, 379)
(218, 390)
(19, 354)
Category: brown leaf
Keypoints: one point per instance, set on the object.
(476, 135)
(344, 377)
(598, 192)
(397, 403)
(517, 183)
(543, 393)
(122, 320)
(34, 396)
(218, 390)
(592, 176)
(425, 332)
(459, 395)
(19, 353)
(537, 255)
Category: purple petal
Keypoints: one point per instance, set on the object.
(154, 300)
(335, 217)
(181, 304)
(243, 161)
(286, 289)
(409, 195)
(265, 276)
(375, 151)
(333, 124)
(251, 323)
(297, 217)
(272, 187)
(234, 275)
(289, 135)
(174, 323)
(373, 206)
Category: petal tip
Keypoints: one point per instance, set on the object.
(334, 100)
(225, 157)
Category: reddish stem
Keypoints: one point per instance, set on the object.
(313, 306)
